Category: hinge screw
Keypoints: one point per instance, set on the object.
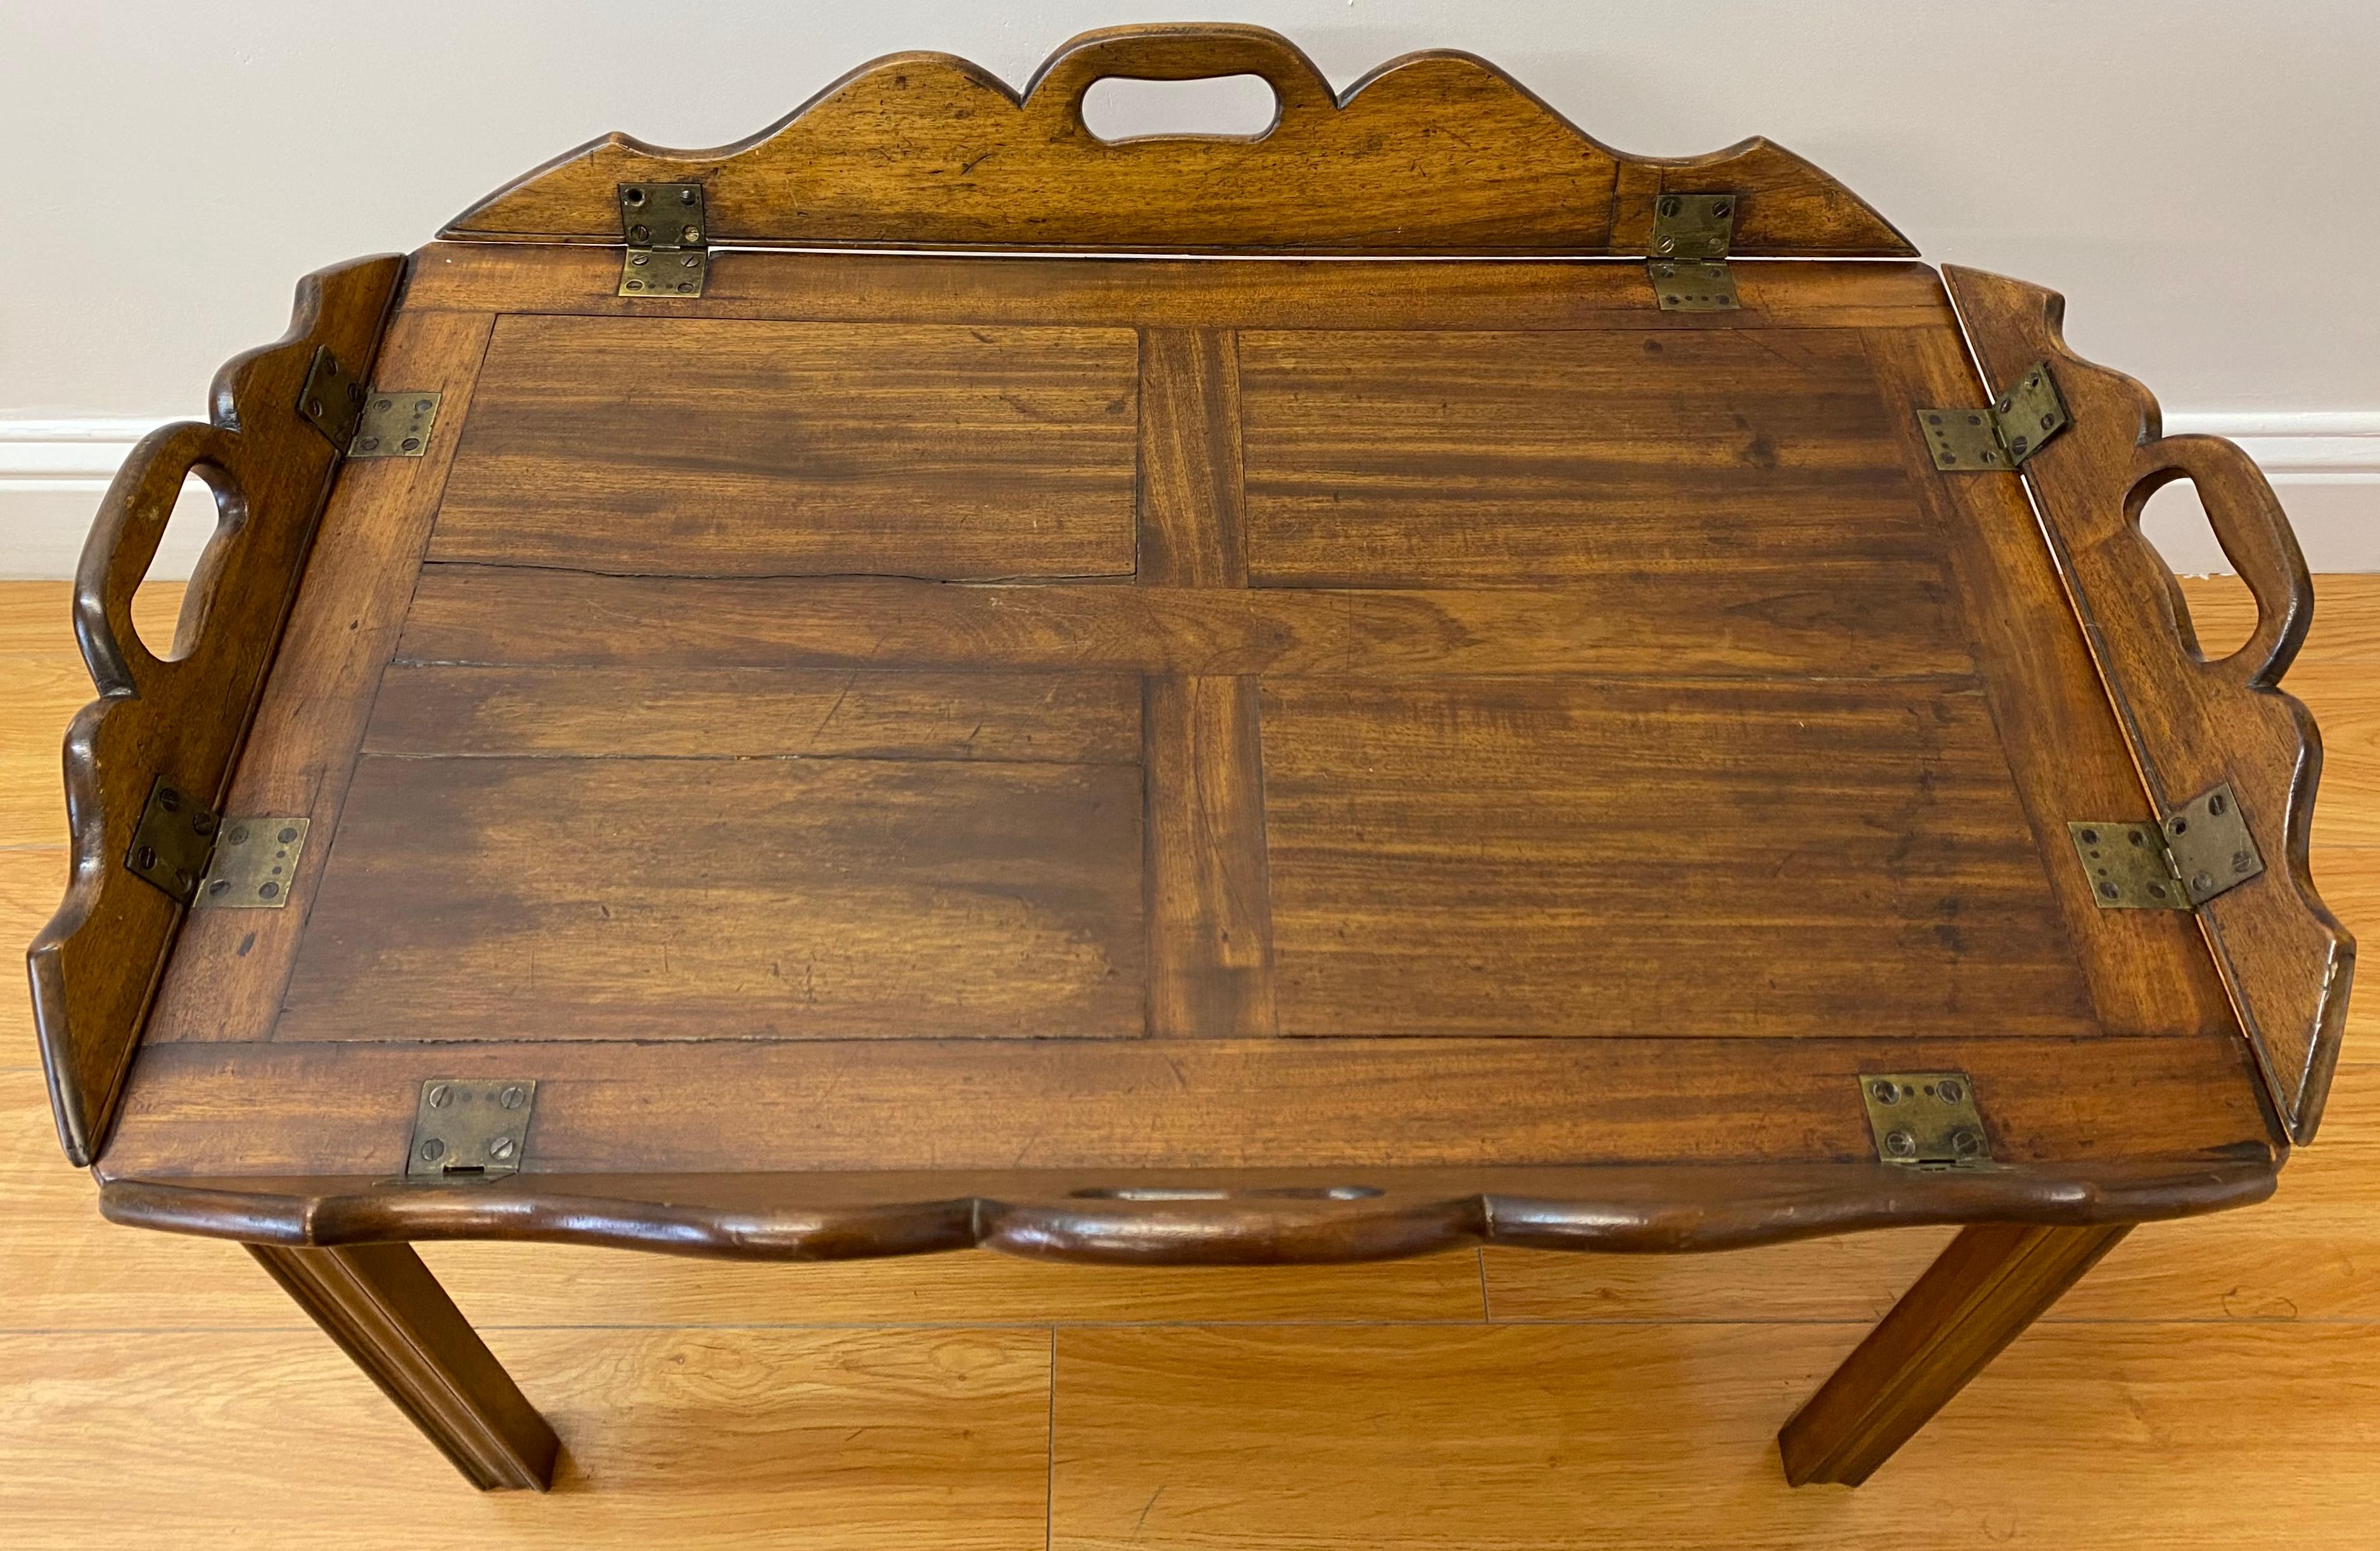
(440, 1096)
(1900, 1143)
(1950, 1092)
(1886, 1093)
(501, 1148)
(432, 1150)
(511, 1097)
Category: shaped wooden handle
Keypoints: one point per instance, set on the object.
(2192, 723)
(1432, 154)
(124, 540)
(180, 721)
(2248, 523)
(1179, 53)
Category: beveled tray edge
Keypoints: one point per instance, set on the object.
(1192, 1216)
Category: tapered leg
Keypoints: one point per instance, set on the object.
(383, 1306)
(1982, 1292)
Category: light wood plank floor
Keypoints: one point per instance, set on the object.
(2214, 1383)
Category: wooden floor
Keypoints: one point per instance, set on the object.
(2214, 1383)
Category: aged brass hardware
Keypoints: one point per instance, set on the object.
(667, 232)
(360, 421)
(174, 842)
(331, 398)
(254, 863)
(2195, 853)
(394, 425)
(2001, 436)
(471, 1130)
(209, 862)
(1926, 1119)
(1690, 234)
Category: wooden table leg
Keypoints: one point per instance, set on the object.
(383, 1306)
(1992, 1282)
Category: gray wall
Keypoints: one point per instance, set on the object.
(2198, 177)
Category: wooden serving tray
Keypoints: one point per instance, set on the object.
(1210, 700)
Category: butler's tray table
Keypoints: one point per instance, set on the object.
(931, 680)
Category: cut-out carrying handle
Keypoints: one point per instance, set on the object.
(124, 540)
(2249, 523)
(1179, 53)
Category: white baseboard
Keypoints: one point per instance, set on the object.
(2326, 463)
(51, 474)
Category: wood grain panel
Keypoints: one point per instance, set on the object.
(1424, 459)
(612, 898)
(1189, 293)
(2142, 1437)
(756, 713)
(708, 448)
(2146, 968)
(1190, 500)
(346, 1108)
(1478, 859)
(1815, 623)
(229, 968)
(879, 1440)
(1210, 953)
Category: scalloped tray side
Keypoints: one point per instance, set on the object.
(181, 717)
(1432, 154)
(2193, 721)
(1195, 1216)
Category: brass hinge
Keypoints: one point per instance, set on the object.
(2001, 435)
(365, 422)
(1690, 234)
(667, 233)
(211, 862)
(2180, 862)
(1926, 1120)
(466, 1131)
